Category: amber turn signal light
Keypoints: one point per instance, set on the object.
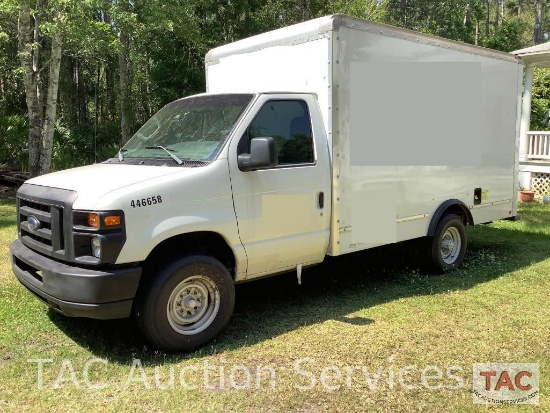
(112, 220)
(93, 220)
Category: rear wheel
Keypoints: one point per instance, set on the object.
(448, 245)
(187, 304)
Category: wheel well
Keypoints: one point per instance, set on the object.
(206, 243)
(452, 206)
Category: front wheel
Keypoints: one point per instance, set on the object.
(187, 304)
(448, 245)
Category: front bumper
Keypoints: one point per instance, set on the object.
(76, 291)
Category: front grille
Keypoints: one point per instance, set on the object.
(36, 206)
(44, 238)
(42, 213)
(41, 225)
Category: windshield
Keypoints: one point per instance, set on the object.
(191, 129)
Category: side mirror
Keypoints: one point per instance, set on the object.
(262, 155)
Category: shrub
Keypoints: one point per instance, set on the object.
(13, 142)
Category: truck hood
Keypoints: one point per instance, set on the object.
(99, 179)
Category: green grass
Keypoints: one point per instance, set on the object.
(374, 309)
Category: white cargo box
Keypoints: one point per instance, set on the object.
(412, 121)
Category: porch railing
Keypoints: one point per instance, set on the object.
(539, 145)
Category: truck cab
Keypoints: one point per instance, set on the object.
(235, 186)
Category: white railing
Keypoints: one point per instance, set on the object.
(539, 145)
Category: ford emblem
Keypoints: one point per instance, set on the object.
(33, 223)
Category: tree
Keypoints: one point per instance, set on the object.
(123, 20)
(453, 20)
(538, 33)
(41, 33)
(45, 31)
(41, 121)
(122, 60)
(497, 14)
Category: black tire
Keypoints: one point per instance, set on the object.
(187, 304)
(448, 245)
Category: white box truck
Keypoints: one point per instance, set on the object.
(323, 138)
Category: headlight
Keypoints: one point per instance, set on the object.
(98, 236)
(96, 247)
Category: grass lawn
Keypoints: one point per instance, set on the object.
(337, 343)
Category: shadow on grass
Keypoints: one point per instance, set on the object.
(270, 307)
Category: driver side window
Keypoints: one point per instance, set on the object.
(288, 123)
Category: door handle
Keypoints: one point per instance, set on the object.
(321, 200)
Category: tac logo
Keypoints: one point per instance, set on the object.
(506, 383)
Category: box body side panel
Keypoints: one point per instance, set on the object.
(414, 125)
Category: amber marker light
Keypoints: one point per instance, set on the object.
(93, 220)
(112, 220)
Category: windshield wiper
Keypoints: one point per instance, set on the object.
(168, 151)
(121, 154)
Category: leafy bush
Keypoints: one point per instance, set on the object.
(13, 142)
(508, 37)
(539, 114)
(83, 145)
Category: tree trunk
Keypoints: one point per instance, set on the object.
(68, 91)
(538, 34)
(519, 8)
(110, 85)
(81, 94)
(41, 124)
(467, 15)
(305, 10)
(31, 79)
(96, 93)
(110, 79)
(148, 94)
(51, 105)
(497, 14)
(123, 60)
(487, 18)
(97, 111)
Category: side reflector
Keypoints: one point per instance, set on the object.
(112, 220)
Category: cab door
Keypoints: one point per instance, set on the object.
(283, 212)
